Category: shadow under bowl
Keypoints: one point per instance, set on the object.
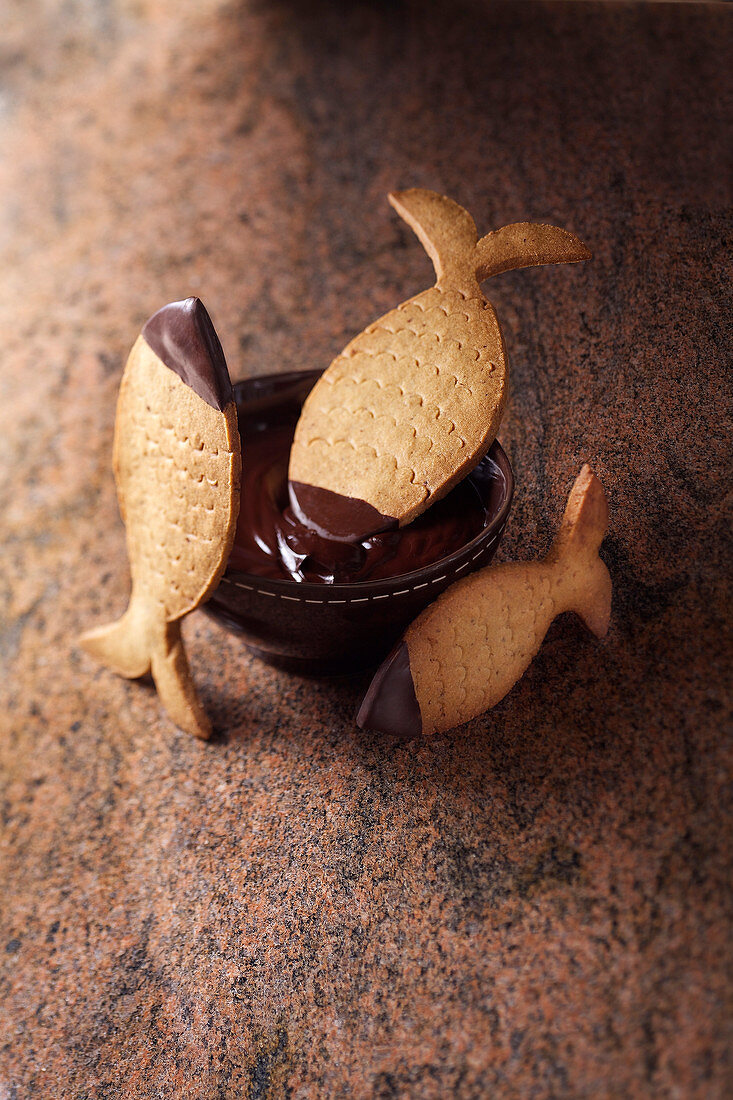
(313, 627)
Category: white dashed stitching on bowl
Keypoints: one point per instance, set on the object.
(360, 599)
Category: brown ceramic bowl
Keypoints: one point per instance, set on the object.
(327, 628)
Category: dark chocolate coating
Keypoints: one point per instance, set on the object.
(345, 519)
(390, 704)
(182, 336)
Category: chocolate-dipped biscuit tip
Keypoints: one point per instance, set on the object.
(182, 336)
(342, 518)
(390, 704)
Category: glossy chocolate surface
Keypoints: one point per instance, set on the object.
(182, 336)
(271, 541)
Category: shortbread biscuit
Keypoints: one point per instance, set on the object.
(414, 402)
(464, 652)
(177, 465)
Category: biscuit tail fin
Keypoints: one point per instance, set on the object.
(448, 234)
(585, 579)
(169, 666)
(140, 642)
(446, 231)
(123, 646)
(526, 244)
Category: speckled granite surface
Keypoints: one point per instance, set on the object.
(538, 904)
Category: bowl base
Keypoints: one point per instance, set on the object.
(309, 666)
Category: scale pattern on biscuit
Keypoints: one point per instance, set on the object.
(177, 466)
(414, 401)
(173, 455)
(466, 651)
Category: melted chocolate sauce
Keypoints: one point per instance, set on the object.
(272, 542)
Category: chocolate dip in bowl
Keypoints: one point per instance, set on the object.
(312, 605)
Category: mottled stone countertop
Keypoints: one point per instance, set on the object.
(538, 904)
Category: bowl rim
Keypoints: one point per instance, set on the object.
(381, 586)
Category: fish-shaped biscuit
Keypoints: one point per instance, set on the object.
(464, 652)
(177, 464)
(414, 401)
